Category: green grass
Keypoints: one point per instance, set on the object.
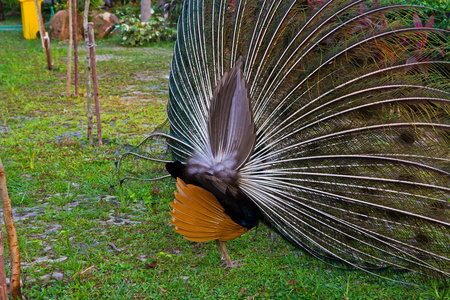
(110, 242)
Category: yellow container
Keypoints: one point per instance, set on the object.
(30, 23)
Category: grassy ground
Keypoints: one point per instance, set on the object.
(83, 237)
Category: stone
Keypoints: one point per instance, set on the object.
(58, 276)
(104, 24)
(143, 258)
(45, 278)
(59, 26)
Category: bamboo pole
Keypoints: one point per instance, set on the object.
(95, 83)
(12, 236)
(69, 56)
(75, 44)
(90, 114)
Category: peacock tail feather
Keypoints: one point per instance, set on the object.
(330, 120)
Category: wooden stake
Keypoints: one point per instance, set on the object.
(90, 114)
(48, 51)
(95, 82)
(69, 56)
(43, 34)
(75, 44)
(12, 236)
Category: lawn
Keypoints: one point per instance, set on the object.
(83, 236)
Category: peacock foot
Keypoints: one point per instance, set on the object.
(225, 257)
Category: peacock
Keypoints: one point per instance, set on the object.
(329, 120)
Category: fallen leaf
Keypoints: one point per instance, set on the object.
(151, 265)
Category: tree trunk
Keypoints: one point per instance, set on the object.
(95, 82)
(90, 114)
(69, 56)
(75, 44)
(12, 236)
(146, 10)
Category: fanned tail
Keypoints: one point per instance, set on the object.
(350, 105)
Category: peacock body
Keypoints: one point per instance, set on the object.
(329, 120)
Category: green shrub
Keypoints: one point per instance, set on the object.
(11, 5)
(135, 33)
(80, 5)
(130, 10)
(440, 9)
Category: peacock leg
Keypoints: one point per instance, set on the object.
(225, 257)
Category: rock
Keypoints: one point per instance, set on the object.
(104, 24)
(59, 26)
(44, 259)
(143, 258)
(45, 278)
(58, 276)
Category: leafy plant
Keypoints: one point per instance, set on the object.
(440, 8)
(11, 5)
(130, 10)
(31, 155)
(135, 33)
(171, 10)
(80, 5)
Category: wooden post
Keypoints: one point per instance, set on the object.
(90, 114)
(44, 36)
(69, 56)
(95, 83)
(48, 51)
(12, 236)
(75, 44)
